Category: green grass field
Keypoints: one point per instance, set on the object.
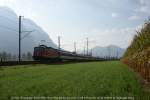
(79, 79)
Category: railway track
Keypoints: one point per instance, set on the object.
(13, 63)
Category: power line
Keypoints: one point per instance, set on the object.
(84, 50)
(29, 32)
(8, 28)
(20, 31)
(28, 24)
(9, 19)
(91, 52)
(20, 38)
(75, 47)
(58, 42)
(87, 45)
(59, 45)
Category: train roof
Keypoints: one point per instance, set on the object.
(61, 50)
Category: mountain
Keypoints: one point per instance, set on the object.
(9, 33)
(108, 51)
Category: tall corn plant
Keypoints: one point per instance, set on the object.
(141, 41)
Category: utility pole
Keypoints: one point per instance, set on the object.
(58, 42)
(75, 47)
(87, 45)
(117, 54)
(20, 38)
(91, 52)
(109, 53)
(84, 50)
(59, 46)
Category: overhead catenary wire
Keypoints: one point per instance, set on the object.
(27, 34)
(20, 37)
(28, 24)
(75, 48)
(8, 19)
(24, 31)
(2, 26)
(87, 45)
(16, 30)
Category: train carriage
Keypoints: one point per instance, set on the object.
(43, 52)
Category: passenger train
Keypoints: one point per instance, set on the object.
(44, 53)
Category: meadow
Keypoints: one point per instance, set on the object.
(110, 78)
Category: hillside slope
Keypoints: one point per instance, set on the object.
(137, 55)
(9, 27)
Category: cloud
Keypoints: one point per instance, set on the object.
(143, 6)
(134, 17)
(142, 2)
(81, 18)
(121, 37)
(114, 15)
(144, 9)
(5, 2)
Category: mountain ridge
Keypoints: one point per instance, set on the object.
(9, 27)
(108, 51)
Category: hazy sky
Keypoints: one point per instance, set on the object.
(105, 22)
